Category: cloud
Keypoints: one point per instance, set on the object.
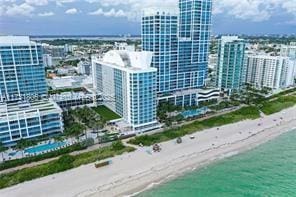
(252, 10)
(62, 2)
(111, 13)
(46, 14)
(37, 2)
(132, 9)
(2, 11)
(23, 9)
(71, 11)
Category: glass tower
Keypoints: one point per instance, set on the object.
(160, 35)
(128, 79)
(194, 39)
(230, 68)
(22, 73)
(180, 43)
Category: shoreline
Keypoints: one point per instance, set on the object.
(203, 164)
(133, 173)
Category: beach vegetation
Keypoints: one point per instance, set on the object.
(278, 104)
(173, 133)
(27, 160)
(64, 163)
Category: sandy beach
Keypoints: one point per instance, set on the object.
(134, 172)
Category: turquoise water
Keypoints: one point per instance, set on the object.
(44, 147)
(269, 170)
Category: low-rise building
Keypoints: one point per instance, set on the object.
(67, 100)
(25, 120)
(58, 83)
(208, 95)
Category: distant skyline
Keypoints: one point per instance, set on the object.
(117, 17)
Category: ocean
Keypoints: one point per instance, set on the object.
(268, 170)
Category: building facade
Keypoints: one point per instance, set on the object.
(160, 35)
(47, 60)
(273, 72)
(230, 65)
(73, 100)
(180, 43)
(84, 68)
(129, 83)
(24, 114)
(289, 50)
(22, 71)
(24, 120)
(57, 52)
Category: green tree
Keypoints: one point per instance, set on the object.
(118, 145)
(88, 142)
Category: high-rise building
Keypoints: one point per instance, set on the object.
(180, 43)
(22, 71)
(84, 68)
(160, 35)
(22, 78)
(230, 65)
(127, 83)
(47, 60)
(274, 72)
(57, 52)
(289, 50)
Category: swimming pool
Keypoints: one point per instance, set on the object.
(195, 112)
(44, 147)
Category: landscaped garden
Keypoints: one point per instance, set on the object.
(106, 113)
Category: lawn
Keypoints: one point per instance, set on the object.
(232, 117)
(277, 105)
(64, 163)
(106, 113)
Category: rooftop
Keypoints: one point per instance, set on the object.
(225, 39)
(25, 107)
(129, 60)
(153, 11)
(15, 40)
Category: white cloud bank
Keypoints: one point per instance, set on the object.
(111, 13)
(23, 9)
(71, 11)
(252, 10)
(46, 14)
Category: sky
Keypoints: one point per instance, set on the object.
(120, 17)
